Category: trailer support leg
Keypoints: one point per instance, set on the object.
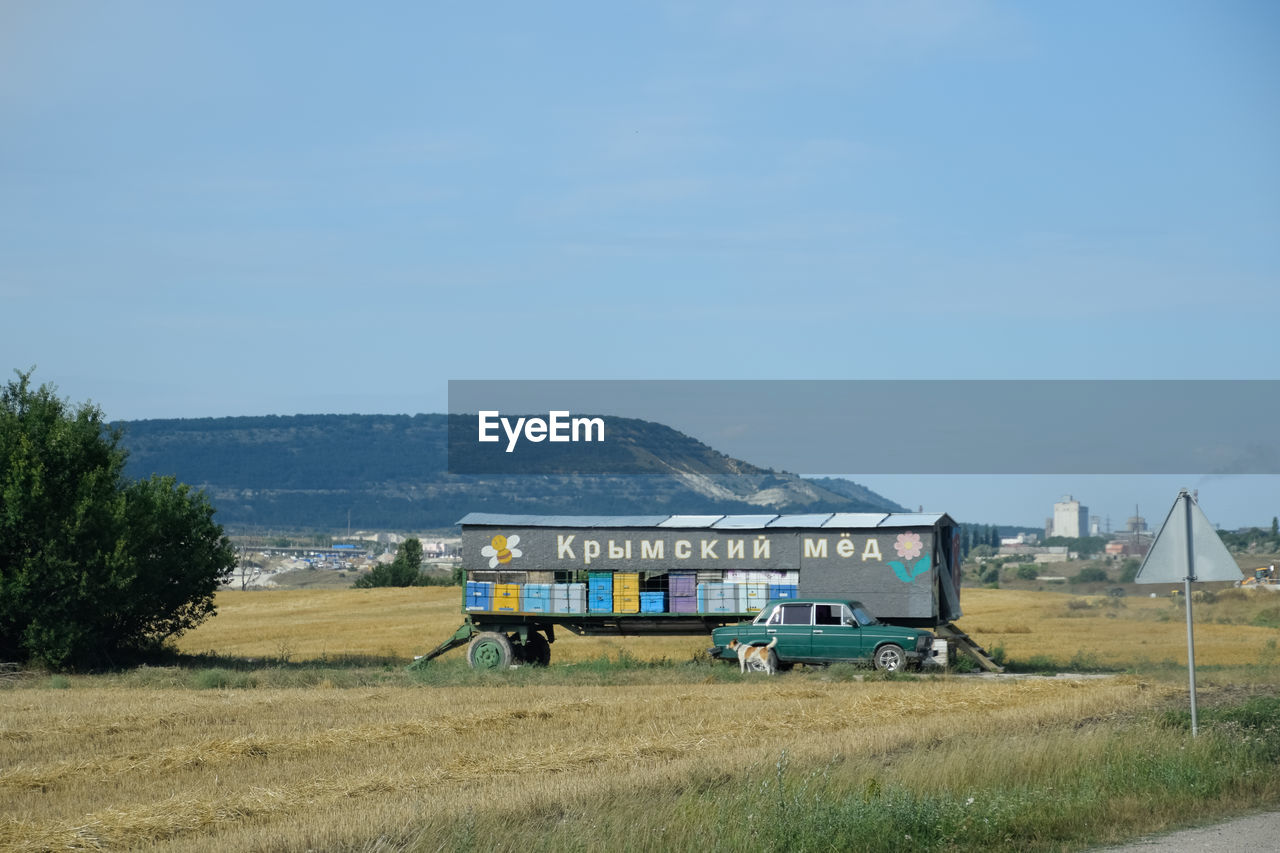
(460, 637)
(965, 643)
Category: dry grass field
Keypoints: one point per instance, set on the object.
(306, 624)
(684, 756)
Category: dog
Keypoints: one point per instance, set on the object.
(756, 657)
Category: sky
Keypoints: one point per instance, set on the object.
(246, 208)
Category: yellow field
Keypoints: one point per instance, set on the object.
(317, 769)
(305, 624)
(98, 765)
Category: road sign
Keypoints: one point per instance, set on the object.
(1188, 549)
(1167, 560)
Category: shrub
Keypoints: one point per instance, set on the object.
(404, 570)
(93, 567)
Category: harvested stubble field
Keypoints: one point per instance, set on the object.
(679, 755)
(402, 623)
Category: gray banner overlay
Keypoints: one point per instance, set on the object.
(879, 426)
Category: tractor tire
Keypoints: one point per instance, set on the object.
(490, 650)
(536, 651)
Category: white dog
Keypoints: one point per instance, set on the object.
(756, 657)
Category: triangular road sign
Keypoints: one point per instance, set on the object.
(1166, 562)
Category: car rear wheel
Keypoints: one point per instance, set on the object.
(890, 658)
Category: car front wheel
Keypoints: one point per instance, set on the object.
(890, 658)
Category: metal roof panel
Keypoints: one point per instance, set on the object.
(812, 519)
(745, 522)
(912, 519)
(691, 521)
(489, 519)
(856, 519)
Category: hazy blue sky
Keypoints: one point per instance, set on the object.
(244, 208)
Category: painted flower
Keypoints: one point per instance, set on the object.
(908, 546)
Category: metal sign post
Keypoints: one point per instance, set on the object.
(1191, 637)
(1185, 538)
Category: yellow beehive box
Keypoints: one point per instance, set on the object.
(506, 597)
(626, 583)
(626, 603)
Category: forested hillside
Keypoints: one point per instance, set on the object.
(390, 471)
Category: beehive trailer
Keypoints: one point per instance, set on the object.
(686, 575)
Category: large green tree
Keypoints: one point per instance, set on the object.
(93, 566)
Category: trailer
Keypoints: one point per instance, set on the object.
(529, 575)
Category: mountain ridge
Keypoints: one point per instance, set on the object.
(391, 472)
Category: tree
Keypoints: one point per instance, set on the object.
(404, 570)
(1089, 574)
(93, 566)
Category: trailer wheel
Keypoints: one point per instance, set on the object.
(890, 658)
(537, 651)
(489, 650)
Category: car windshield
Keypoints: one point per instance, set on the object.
(863, 617)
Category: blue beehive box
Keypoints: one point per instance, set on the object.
(782, 590)
(600, 592)
(652, 602)
(536, 598)
(479, 595)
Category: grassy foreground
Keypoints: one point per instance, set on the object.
(324, 742)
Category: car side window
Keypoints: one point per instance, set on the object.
(846, 617)
(796, 614)
(828, 614)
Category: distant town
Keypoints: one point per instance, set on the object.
(1071, 520)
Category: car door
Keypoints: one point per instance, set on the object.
(836, 634)
(792, 625)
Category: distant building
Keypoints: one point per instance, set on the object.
(1070, 519)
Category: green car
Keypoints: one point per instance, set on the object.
(823, 631)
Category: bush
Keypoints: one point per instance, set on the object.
(1090, 574)
(404, 570)
(93, 567)
(1027, 573)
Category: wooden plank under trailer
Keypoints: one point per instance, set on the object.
(952, 633)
